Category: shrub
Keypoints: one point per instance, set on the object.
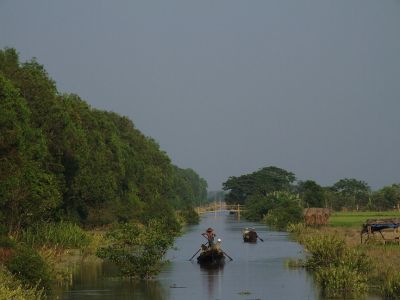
(137, 249)
(341, 280)
(12, 288)
(285, 209)
(325, 250)
(29, 267)
(340, 270)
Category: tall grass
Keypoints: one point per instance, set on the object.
(63, 234)
(339, 269)
(391, 286)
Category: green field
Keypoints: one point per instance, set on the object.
(356, 219)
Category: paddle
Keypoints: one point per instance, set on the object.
(227, 255)
(261, 239)
(195, 254)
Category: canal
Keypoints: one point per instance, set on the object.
(257, 271)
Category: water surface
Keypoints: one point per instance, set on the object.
(257, 271)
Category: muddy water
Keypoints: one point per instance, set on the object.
(257, 271)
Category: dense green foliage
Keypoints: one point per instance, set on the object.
(137, 249)
(64, 164)
(62, 159)
(350, 193)
(311, 193)
(258, 192)
(29, 267)
(261, 182)
(277, 209)
(386, 198)
(284, 209)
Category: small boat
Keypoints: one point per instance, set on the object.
(211, 257)
(250, 235)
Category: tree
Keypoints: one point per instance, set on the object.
(261, 182)
(387, 198)
(352, 193)
(311, 193)
(27, 191)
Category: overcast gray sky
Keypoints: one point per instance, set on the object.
(228, 87)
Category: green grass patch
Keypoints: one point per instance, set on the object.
(356, 219)
(63, 234)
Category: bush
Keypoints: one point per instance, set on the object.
(325, 250)
(340, 270)
(137, 249)
(12, 288)
(342, 280)
(29, 267)
(285, 209)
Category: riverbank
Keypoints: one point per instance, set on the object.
(42, 259)
(380, 261)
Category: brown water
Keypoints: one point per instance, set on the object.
(257, 271)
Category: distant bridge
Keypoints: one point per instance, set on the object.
(220, 206)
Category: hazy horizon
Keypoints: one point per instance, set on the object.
(229, 87)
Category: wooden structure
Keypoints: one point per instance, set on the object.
(316, 216)
(372, 226)
(216, 207)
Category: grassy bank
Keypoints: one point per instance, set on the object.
(342, 265)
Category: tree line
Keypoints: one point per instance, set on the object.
(61, 159)
(275, 189)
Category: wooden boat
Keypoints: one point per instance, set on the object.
(211, 257)
(250, 236)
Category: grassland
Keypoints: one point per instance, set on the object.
(356, 219)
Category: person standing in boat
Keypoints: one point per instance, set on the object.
(209, 235)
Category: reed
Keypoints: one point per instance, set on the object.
(62, 234)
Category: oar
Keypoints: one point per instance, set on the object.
(195, 254)
(261, 239)
(227, 255)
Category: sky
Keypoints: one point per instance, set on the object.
(229, 87)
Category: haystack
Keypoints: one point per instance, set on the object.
(316, 216)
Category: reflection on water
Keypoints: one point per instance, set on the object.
(256, 272)
(212, 277)
(100, 280)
